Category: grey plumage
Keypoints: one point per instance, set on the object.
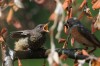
(32, 39)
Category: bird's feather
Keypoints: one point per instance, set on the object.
(87, 34)
(20, 34)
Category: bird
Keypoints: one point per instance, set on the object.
(81, 34)
(30, 39)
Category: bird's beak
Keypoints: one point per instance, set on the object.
(45, 28)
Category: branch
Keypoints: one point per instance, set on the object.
(42, 53)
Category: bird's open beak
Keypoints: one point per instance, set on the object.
(45, 28)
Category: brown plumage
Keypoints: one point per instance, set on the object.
(82, 34)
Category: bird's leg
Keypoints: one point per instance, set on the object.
(92, 50)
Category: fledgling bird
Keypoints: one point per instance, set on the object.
(30, 39)
(82, 34)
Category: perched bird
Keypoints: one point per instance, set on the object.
(81, 34)
(30, 39)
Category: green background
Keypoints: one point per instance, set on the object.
(41, 16)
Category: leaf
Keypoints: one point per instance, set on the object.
(96, 62)
(93, 29)
(84, 52)
(63, 57)
(66, 30)
(19, 62)
(17, 24)
(52, 17)
(72, 41)
(18, 3)
(39, 1)
(10, 15)
(59, 9)
(97, 23)
(66, 4)
(1, 39)
(61, 40)
(96, 5)
(3, 31)
(82, 5)
(15, 8)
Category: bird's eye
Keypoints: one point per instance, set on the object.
(41, 26)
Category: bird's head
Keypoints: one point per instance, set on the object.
(43, 28)
(71, 22)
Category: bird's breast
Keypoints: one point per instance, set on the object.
(80, 38)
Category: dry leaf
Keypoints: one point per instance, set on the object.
(18, 3)
(3, 31)
(71, 11)
(10, 15)
(72, 41)
(19, 62)
(96, 5)
(15, 8)
(63, 57)
(1, 39)
(82, 5)
(75, 64)
(52, 17)
(65, 30)
(97, 23)
(17, 24)
(84, 52)
(39, 1)
(93, 1)
(96, 62)
(93, 29)
(61, 40)
(11, 3)
(66, 4)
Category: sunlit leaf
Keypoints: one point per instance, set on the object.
(66, 3)
(19, 62)
(18, 3)
(82, 4)
(1, 39)
(97, 23)
(17, 24)
(15, 8)
(39, 1)
(63, 57)
(96, 62)
(52, 17)
(10, 15)
(72, 41)
(96, 5)
(84, 52)
(3, 31)
(61, 40)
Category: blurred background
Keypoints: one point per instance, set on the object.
(33, 14)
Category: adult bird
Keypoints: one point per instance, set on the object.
(81, 34)
(30, 39)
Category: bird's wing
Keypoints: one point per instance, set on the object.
(87, 34)
(20, 34)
